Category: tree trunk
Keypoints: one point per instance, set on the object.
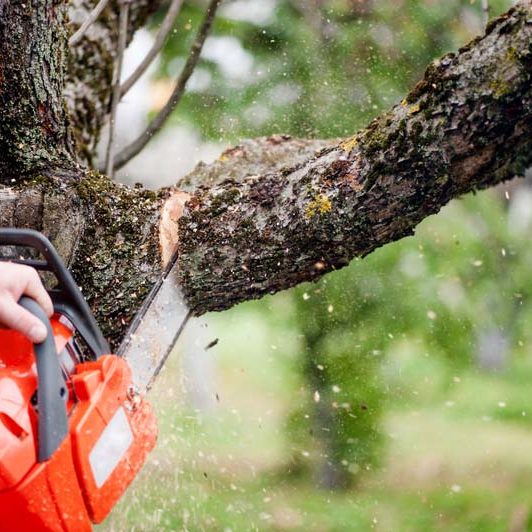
(270, 213)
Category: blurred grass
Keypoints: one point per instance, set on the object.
(458, 453)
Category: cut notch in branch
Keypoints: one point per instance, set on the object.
(164, 31)
(137, 145)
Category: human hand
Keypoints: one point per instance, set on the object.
(17, 280)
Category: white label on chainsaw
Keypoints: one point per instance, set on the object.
(111, 446)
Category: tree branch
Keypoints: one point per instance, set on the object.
(108, 234)
(287, 214)
(467, 125)
(157, 123)
(89, 69)
(162, 34)
(91, 18)
(115, 95)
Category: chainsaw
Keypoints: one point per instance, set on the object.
(75, 427)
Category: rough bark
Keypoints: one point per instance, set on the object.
(286, 215)
(467, 125)
(107, 233)
(34, 132)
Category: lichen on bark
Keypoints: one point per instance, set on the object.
(106, 233)
(34, 132)
(455, 132)
(118, 257)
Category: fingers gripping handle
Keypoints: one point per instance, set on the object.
(51, 388)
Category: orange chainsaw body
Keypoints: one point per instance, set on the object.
(110, 432)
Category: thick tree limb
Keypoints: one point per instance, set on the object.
(109, 235)
(253, 159)
(467, 125)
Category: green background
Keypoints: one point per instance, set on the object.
(391, 395)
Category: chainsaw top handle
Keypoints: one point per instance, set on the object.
(51, 388)
(66, 296)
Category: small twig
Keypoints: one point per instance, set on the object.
(115, 99)
(165, 29)
(485, 12)
(93, 15)
(137, 145)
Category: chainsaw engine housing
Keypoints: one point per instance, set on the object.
(64, 467)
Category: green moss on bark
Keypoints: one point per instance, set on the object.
(119, 255)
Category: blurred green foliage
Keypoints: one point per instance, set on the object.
(324, 69)
(336, 426)
(314, 71)
(443, 296)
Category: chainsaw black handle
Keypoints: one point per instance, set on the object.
(67, 297)
(51, 388)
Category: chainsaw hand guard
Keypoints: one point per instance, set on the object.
(66, 296)
(51, 388)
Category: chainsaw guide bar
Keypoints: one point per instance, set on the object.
(155, 329)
